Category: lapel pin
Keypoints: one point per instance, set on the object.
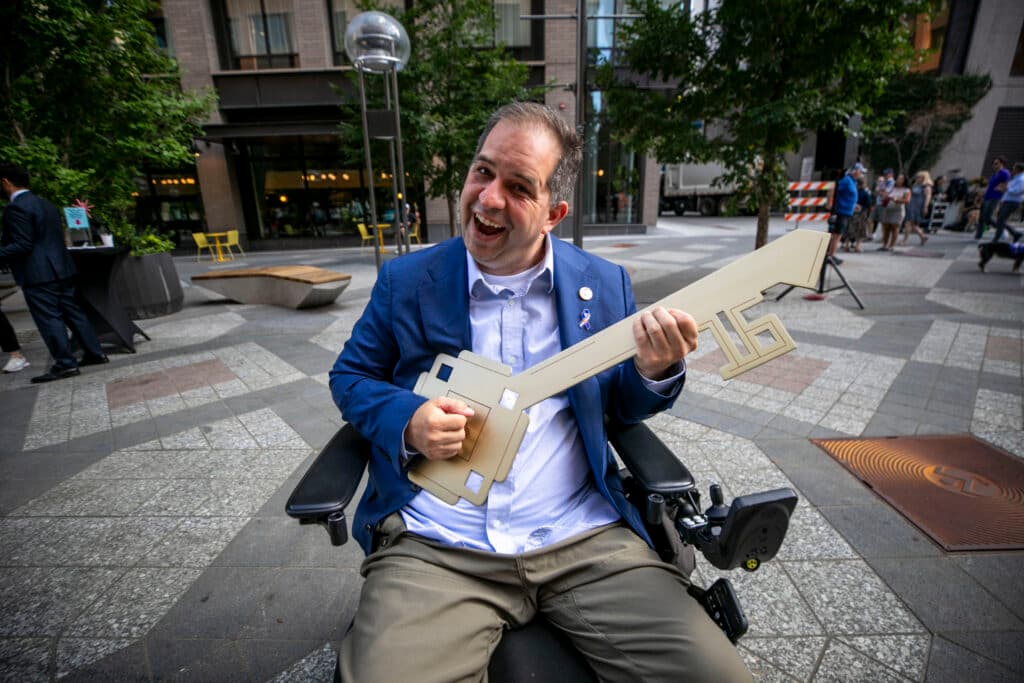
(585, 318)
(586, 293)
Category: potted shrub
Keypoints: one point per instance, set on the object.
(147, 280)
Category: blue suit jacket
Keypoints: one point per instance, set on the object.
(419, 308)
(33, 242)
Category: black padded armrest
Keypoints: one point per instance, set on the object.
(655, 467)
(331, 481)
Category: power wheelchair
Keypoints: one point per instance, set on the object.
(744, 534)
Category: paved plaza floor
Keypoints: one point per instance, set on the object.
(142, 526)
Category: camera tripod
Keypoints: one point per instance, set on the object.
(829, 262)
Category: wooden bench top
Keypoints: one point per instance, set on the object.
(308, 274)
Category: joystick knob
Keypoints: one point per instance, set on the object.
(718, 511)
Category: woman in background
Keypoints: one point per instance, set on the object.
(920, 198)
(893, 209)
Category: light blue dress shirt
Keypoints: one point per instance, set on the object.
(549, 495)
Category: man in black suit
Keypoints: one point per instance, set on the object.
(32, 244)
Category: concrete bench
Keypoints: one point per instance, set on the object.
(288, 286)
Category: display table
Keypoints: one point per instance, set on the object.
(99, 299)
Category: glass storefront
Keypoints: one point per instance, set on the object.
(303, 187)
(170, 202)
(612, 181)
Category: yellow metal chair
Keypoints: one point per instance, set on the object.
(367, 235)
(414, 234)
(233, 242)
(202, 243)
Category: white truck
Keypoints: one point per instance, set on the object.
(690, 187)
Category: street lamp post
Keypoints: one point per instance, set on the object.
(376, 42)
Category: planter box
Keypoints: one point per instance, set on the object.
(149, 286)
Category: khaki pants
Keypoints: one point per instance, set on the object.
(431, 613)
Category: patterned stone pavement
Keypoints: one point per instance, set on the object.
(142, 534)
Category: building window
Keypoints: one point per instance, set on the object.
(260, 34)
(510, 30)
(340, 12)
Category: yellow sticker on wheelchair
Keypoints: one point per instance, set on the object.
(751, 564)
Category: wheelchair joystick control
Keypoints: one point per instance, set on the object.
(718, 511)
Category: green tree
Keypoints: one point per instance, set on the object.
(917, 114)
(87, 99)
(456, 77)
(761, 74)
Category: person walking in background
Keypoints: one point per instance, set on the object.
(993, 193)
(893, 206)
(9, 344)
(920, 198)
(33, 247)
(861, 220)
(883, 184)
(1010, 204)
(843, 205)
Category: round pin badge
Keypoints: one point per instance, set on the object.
(586, 293)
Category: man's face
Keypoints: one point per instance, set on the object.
(6, 188)
(506, 208)
(997, 165)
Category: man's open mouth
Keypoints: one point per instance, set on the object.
(487, 227)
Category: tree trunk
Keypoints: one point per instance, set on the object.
(763, 209)
(453, 226)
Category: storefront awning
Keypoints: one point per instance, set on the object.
(229, 131)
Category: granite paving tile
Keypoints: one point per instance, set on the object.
(849, 598)
(197, 659)
(761, 670)
(907, 655)
(40, 601)
(874, 529)
(1003, 648)
(75, 653)
(842, 664)
(952, 663)
(811, 537)
(944, 597)
(217, 605)
(134, 604)
(303, 603)
(999, 574)
(772, 601)
(194, 542)
(797, 657)
(25, 659)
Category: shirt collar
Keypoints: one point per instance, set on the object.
(17, 194)
(544, 272)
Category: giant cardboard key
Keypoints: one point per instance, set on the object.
(499, 399)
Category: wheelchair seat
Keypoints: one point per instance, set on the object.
(656, 482)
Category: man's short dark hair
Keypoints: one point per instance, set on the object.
(563, 178)
(1001, 159)
(17, 175)
(1018, 167)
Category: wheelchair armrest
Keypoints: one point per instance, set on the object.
(655, 467)
(330, 483)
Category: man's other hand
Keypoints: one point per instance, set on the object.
(438, 428)
(663, 338)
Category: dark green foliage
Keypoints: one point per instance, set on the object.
(455, 79)
(917, 114)
(761, 73)
(87, 99)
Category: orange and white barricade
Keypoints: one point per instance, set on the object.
(808, 201)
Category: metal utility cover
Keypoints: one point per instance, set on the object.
(962, 492)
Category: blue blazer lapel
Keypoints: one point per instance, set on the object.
(444, 300)
(572, 273)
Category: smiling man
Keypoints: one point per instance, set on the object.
(557, 537)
